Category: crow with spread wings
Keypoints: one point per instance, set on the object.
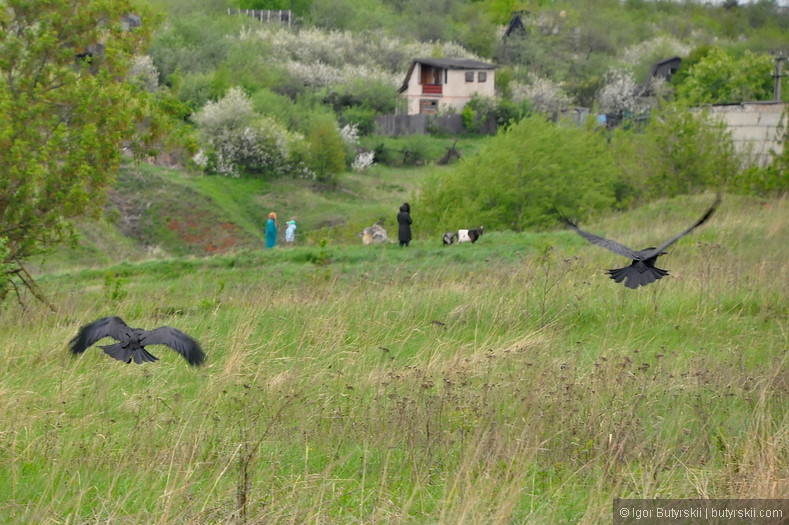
(642, 271)
(132, 341)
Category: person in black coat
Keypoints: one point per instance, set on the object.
(404, 224)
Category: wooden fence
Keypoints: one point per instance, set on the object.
(284, 16)
(396, 125)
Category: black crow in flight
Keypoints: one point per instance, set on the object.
(642, 271)
(132, 341)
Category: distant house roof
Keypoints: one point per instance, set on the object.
(664, 66)
(516, 25)
(445, 63)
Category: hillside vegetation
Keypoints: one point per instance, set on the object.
(273, 100)
(505, 381)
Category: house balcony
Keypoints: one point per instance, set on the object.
(432, 89)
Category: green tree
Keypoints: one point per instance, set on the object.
(520, 179)
(326, 150)
(719, 77)
(65, 112)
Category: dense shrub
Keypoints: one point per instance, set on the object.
(143, 72)
(236, 140)
(679, 151)
(521, 178)
(358, 101)
(192, 44)
(621, 95)
(406, 150)
(542, 95)
(719, 77)
(326, 150)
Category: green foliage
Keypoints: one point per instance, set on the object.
(194, 43)
(718, 78)
(508, 112)
(359, 101)
(482, 109)
(6, 267)
(520, 178)
(114, 287)
(469, 117)
(764, 180)
(196, 90)
(689, 62)
(326, 150)
(247, 64)
(772, 178)
(408, 150)
(321, 262)
(64, 118)
(680, 151)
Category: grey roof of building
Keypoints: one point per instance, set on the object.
(455, 63)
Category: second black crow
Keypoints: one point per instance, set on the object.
(642, 271)
(131, 342)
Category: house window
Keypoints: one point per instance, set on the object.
(469, 76)
(482, 76)
(428, 105)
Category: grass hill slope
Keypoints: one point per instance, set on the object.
(154, 211)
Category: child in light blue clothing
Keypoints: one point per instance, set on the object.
(290, 232)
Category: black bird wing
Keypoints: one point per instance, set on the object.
(177, 340)
(608, 244)
(105, 327)
(657, 251)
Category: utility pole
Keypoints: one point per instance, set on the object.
(778, 76)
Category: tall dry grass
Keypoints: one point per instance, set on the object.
(505, 382)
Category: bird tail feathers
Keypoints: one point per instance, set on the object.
(634, 277)
(120, 353)
(142, 356)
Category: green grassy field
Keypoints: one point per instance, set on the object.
(177, 212)
(506, 382)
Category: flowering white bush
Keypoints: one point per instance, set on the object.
(201, 160)
(620, 93)
(239, 140)
(544, 95)
(321, 74)
(233, 111)
(345, 48)
(363, 161)
(350, 134)
(143, 72)
(654, 49)
(319, 58)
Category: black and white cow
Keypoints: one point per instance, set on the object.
(463, 236)
(449, 238)
(470, 235)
